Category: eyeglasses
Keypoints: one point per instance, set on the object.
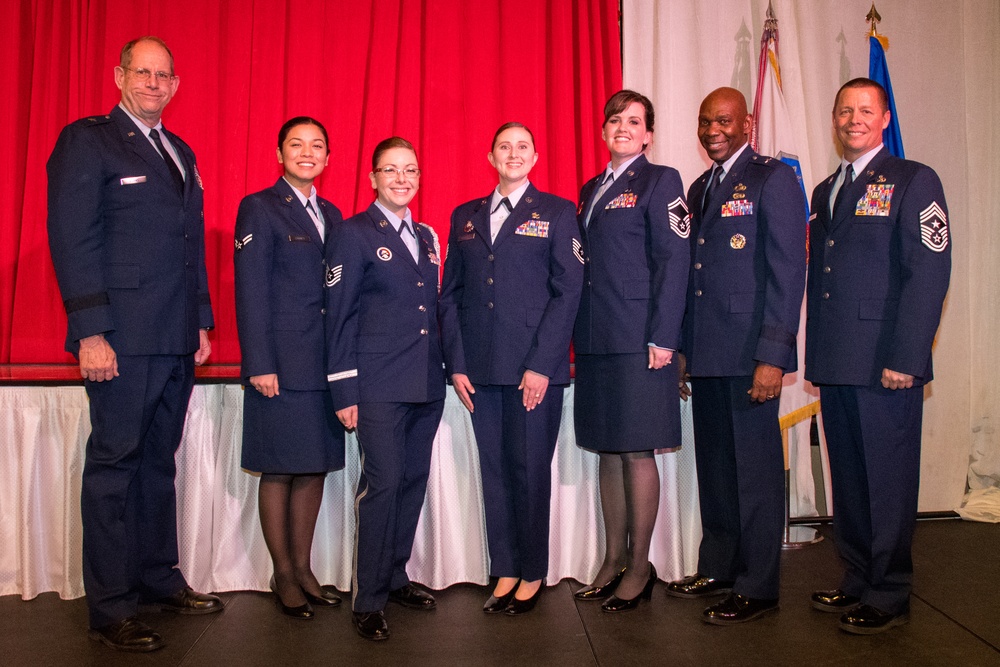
(392, 172)
(143, 74)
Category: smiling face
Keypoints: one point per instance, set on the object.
(626, 133)
(396, 192)
(304, 154)
(859, 116)
(145, 98)
(723, 123)
(513, 156)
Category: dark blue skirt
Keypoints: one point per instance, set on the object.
(620, 405)
(293, 433)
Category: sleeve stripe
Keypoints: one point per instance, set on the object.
(343, 375)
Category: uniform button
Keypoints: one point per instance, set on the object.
(322, 311)
(701, 241)
(697, 265)
(422, 309)
(826, 269)
(826, 295)
(489, 281)
(490, 305)
(420, 283)
(830, 243)
(423, 332)
(490, 258)
(697, 292)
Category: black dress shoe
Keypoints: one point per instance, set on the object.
(371, 625)
(497, 605)
(303, 612)
(130, 634)
(868, 620)
(187, 601)
(615, 604)
(412, 597)
(517, 607)
(697, 586)
(833, 601)
(325, 599)
(600, 592)
(738, 609)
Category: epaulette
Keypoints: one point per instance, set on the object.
(94, 120)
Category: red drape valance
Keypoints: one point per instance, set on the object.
(443, 74)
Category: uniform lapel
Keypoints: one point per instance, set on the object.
(857, 189)
(391, 238)
(621, 184)
(521, 213)
(297, 212)
(137, 141)
(481, 220)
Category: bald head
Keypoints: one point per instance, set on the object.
(723, 123)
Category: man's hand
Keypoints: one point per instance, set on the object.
(266, 384)
(348, 417)
(896, 380)
(204, 348)
(766, 383)
(98, 362)
(658, 357)
(683, 377)
(534, 386)
(464, 390)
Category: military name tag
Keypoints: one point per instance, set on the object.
(132, 180)
(876, 200)
(737, 207)
(537, 228)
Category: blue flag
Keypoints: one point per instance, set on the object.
(878, 71)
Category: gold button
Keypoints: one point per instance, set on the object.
(697, 292)
(701, 241)
(830, 243)
(697, 265)
(489, 281)
(827, 269)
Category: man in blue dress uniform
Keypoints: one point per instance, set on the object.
(878, 274)
(744, 298)
(126, 232)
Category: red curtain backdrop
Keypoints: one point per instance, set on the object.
(442, 74)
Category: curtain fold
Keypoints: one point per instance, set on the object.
(441, 74)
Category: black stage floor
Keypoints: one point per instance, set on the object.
(955, 621)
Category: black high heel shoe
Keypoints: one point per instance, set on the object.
(325, 599)
(302, 613)
(518, 607)
(594, 593)
(615, 604)
(497, 605)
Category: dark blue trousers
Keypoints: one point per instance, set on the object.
(741, 485)
(515, 461)
(873, 438)
(128, 502)
(395, 440)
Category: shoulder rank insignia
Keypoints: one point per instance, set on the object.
(242, 243)
(934, 227)
(680, 218)
(578, 250)
(333, 275)
(876, 200)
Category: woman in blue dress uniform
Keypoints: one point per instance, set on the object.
(635, 227)
(511, 288)
(290, 434)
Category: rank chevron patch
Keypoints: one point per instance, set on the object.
(680, 218)
(333, 275)
(934, 227)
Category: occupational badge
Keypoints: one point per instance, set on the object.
(578, 250)
(242, 243)
(738, 242)
(384, 254)
(680, 218)
(535, 216)
(934, 227)
(333, 275)
(876, 200)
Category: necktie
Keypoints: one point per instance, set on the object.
(409, 238)
(848, 179)
(317, 220)
(713, 180)
(597, 195)
(505, 203)
(171, 165)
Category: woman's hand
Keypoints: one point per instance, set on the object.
(658, 357)
(534, 386)
(348, 417)
(464, 390)
(266, 384)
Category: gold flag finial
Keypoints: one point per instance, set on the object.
(875, 18)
